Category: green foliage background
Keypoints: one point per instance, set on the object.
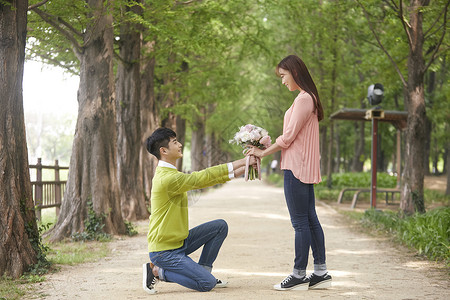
(231, 49)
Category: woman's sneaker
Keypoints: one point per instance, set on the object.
(319, 282)
(293, 283)
(148, 279)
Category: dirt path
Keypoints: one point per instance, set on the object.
(258, 253)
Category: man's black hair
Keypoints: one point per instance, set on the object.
(159, 138)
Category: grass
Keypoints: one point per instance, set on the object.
(10, 289)
(428, 233)
(275, 179)
(72, 253)
(62, 253)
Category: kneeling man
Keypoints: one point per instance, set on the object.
(169, 239)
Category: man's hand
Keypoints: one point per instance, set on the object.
(239, 165)
(252, 160)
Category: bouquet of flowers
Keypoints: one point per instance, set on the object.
(255, 136)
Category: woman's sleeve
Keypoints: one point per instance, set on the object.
(302, 109)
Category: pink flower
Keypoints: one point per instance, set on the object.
(266, 141)
(255, 136)
(249, 127)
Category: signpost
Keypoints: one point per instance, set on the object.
(376, 114)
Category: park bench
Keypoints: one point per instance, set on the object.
(358, 191)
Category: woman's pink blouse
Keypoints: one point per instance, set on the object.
(300, 140)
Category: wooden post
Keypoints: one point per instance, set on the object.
(57, 189)
(38, 189)
(373, 190)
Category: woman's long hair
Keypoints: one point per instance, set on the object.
(301, 75)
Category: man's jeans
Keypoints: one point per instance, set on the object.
(176, 266)
(308, 231)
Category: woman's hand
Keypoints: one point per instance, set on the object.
(255, 151)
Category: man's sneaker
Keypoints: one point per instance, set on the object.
(293, 283)
(148, 279)
(221, 283)
(319, 282)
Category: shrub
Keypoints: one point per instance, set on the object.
(130, 229)
(276, 179)
(93, 226)
(428, 232)
(342, 180)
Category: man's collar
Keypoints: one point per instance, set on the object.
(162, 163)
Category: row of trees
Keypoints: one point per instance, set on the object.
(49, 136)
(204, 68)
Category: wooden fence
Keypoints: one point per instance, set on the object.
(47, 193)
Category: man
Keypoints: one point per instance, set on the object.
(169, 239)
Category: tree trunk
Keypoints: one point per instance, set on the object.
(198, 147)
(323, 149)
(168, 100)
(333, 93)
(380, 152)
(445, 159)
(181, 137)
(412, 188)
(93, 167)
(17, 217)
(358, 161)
(431, 83)
(337, 165)
(447, 191)
(173, 121)
(215, 155)
(128, 88)
(148, 115)
(427, 146)
(209, 143)
(330, 157)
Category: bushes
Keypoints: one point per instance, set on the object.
(275, 179)
(429, 233)
(342, 180)
(93, 227)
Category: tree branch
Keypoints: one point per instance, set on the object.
(71, 28)
(57, 63)
(434, 32)
(31, 7)
(434, 23)
(50, 20)
(405, 24)
(186, 2)
(117, 55)
(435, 52)
(366, 14)
(60, 20)
(392, 5)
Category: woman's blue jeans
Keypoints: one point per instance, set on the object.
(308, 231)
(176, 266)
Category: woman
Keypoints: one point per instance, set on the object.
(300, 160)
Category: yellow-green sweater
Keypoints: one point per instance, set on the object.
(169, 224)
